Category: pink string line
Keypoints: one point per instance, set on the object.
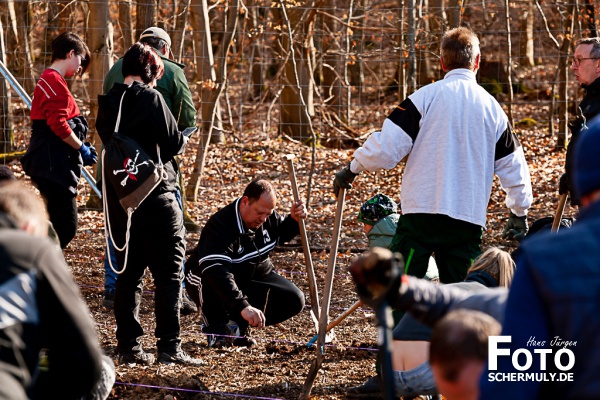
(197, 391)
(283, 341)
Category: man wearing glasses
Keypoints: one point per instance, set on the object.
(586, 67)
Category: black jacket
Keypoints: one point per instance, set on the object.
(590, 108)
(145, 118)
(231, 253)
(49, 157)
(42, 308)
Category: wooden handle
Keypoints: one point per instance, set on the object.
(562, 202)
(312, 281)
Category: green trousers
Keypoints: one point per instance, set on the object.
(455, 244)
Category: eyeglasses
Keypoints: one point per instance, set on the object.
(577, 61)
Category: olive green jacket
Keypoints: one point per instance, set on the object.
(173, 86)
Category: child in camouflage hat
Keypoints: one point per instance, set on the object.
(379, 216)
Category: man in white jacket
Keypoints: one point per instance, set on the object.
(456, 137)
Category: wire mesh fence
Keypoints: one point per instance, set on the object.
(349, 63)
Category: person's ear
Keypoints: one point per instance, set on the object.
(477, 61)
(443, 66)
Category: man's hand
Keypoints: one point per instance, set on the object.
(254, 316)
(343, 179)
(298, 211)
(377, 275)
(516, 227)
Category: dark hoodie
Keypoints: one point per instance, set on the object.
(410, 329)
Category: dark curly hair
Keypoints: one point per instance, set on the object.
(143, 61)
(67, 41)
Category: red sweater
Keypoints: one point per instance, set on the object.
(54, 103)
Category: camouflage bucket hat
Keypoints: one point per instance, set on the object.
(377, 207)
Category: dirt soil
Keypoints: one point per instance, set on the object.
(277, 367)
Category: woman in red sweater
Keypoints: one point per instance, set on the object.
(57, 149)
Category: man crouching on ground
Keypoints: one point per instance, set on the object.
(232, 271)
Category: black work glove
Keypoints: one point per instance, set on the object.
(377, 276)
(516, 227)
(563, 184)
(89, 155)
(343, 179)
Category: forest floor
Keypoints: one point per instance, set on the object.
(278, 365)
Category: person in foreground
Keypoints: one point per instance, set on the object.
(553, 303)
(57, 150)
(231, 268)
(455, 137)
(156, 235)
(413, 375)
(459, 351)
(43, 309)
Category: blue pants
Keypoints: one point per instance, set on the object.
(415, 382)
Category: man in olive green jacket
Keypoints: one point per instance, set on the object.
(173, 85)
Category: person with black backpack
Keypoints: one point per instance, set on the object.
(153, 235)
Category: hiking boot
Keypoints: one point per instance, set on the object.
(242, 337)
(187, 306)
(371, 387)
(109, 298)
(179, 357)
(244, 341)
(216, 336)
(136, 357)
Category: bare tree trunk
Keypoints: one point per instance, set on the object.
(438, 18)
(423, 48)
(24, 63)
(296, 96)
(178, 37)
(401, 74)
(509, 64)
(257, 61)
(590, 18)
(200, 23)
(145, 15)
(356, 67)
(100, 42)
(6, 119)
(126, 24)
(332, 64)
(453, 13)
(206, 75)
(411, 43)
(526, 49)
(563, 78)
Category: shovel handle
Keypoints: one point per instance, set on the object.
(562, 202)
